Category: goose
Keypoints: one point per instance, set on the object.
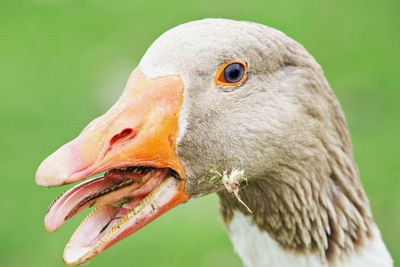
(228, 107)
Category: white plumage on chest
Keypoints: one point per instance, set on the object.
(257, 249)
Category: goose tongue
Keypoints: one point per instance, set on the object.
(116, 189)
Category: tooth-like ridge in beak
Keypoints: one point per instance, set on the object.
(121, 221)
(120, 181)
(114, 187)
(135, 169)
(54, 201)
(160, 195)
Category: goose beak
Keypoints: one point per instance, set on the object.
(135, 144)
(139, 130)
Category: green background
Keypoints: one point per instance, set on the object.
(64, 62)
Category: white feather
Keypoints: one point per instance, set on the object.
(257, 249)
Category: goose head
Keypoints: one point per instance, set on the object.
(210, 99)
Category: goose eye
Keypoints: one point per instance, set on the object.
(231, 74)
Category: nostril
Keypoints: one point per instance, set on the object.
(125, 134)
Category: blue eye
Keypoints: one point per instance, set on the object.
(233, 73)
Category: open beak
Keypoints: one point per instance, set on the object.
(134, 143)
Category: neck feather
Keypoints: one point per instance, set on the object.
(313, 205)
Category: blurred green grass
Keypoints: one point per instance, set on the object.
(64, 62)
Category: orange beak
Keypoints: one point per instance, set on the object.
(139, 130)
